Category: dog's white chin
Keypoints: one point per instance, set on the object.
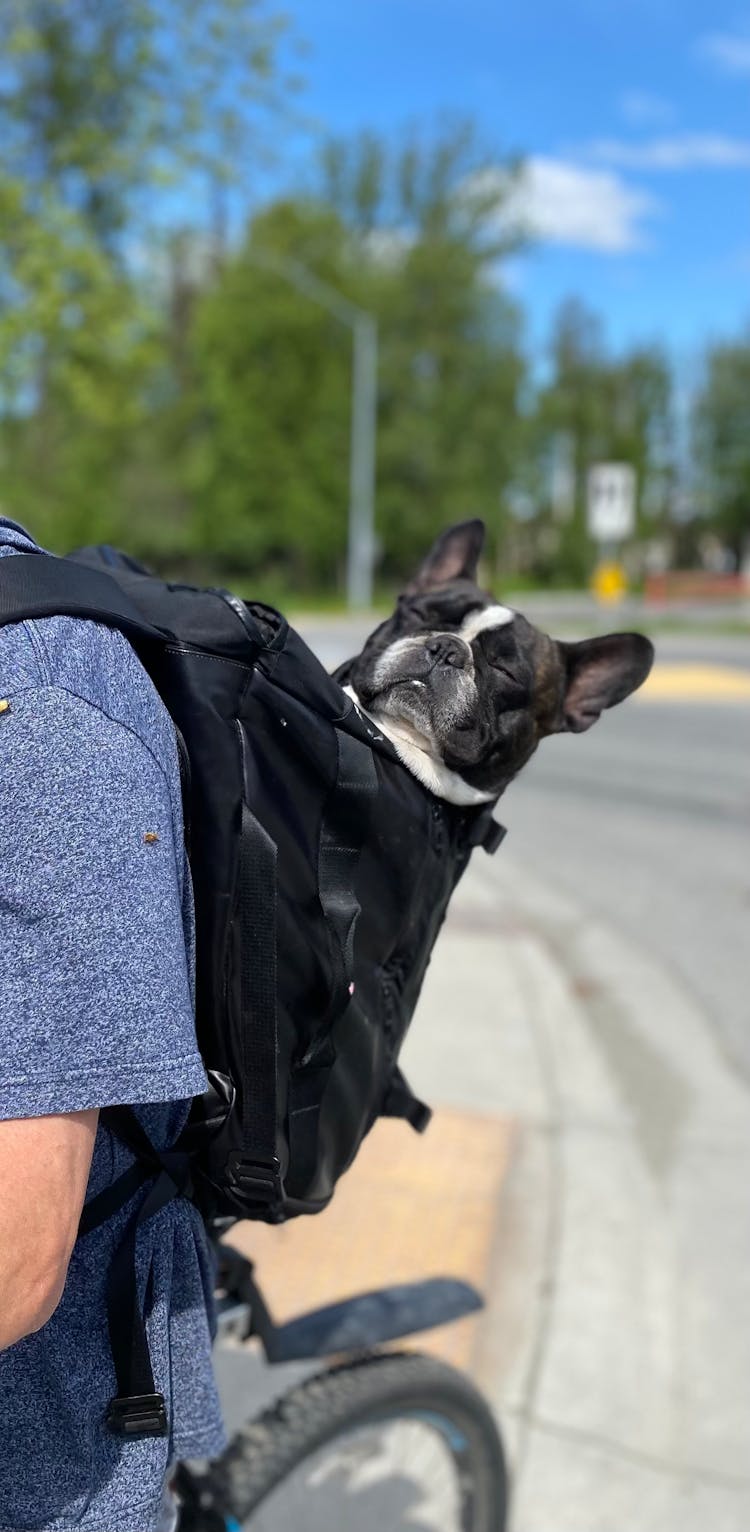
(413, 750)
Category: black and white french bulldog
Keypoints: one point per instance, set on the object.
(465, 688)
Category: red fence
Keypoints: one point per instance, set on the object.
(695, 585)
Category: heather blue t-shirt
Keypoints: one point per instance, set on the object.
(96, 1008)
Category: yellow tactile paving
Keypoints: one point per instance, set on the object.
(410, 1207)
(695, 683)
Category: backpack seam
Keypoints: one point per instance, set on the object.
(119, 723)
(203, 654)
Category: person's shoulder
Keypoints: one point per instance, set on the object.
(89, 660)
(97, 665)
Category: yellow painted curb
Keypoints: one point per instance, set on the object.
(409, 1208)
(695, 683)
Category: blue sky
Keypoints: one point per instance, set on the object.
(634, 117)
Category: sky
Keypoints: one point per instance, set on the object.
(633, 117)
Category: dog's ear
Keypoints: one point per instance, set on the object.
(600, 672)
(455, 556)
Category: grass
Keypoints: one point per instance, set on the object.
(332, 603)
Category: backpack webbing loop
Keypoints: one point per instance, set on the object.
(342, 831)
(255, 1168)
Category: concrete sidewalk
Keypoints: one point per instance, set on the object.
(616, 1345)
(613, 1242)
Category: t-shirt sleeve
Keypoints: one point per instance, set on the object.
(95, 988)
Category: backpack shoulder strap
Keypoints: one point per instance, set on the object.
(42, 585)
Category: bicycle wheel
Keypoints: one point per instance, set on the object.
(387, 1442)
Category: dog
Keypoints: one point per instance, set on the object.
(465, 688)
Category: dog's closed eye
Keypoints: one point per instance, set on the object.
(503, 668)
(500, 650)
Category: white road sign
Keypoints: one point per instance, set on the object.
(611, 501)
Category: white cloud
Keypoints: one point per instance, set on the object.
(640, 108)
(683, 151)
(569, 204)
(388, 246)
(731, 51)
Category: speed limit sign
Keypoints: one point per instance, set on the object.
(611, 501)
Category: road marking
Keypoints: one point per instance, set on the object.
(409, 1208)
(695, 683)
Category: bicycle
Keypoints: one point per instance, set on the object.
(378, 1441)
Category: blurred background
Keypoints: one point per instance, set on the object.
(545, 216)
(281, 296)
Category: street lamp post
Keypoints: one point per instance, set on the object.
(360, 555)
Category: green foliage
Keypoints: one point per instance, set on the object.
(109, 102)
(721, 432)
(426, 221)
(76, 346)
(101, 106)
(267, 461)
(270, 399)
(605, 409)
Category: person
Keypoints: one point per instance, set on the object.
(96, 1009)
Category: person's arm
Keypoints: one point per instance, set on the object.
(95, 999)
(44, 1171)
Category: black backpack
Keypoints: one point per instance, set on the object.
(322, 871)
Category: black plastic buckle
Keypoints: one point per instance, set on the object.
(138, 1415)
(256, 1180)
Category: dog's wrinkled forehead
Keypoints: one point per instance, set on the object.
(466, 612)
(483, 620)
(451, 608)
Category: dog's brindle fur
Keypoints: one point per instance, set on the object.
(466, 688)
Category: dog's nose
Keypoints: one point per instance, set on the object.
(446, 650)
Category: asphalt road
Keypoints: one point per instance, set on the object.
(646, 819)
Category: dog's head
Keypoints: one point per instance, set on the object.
(466, 688)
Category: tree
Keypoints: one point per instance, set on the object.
(104, 107)
(721, 442)
(109, 103)
(270, 406)
(428, 225)
(606, 409)
(267, 415)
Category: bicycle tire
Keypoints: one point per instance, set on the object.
(373, 1390)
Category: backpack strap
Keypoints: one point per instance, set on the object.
(342, 830)
(486, 831)
(255, 1169)
(42, 585)
(137, 1409)
(400, 1101)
